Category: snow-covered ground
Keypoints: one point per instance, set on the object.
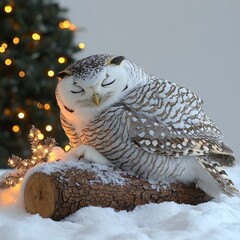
(217, 219)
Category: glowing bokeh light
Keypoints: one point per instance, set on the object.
(15, 128)
(8, 62)
(51, 73)
(16, 40)
(49, 128)
(21, 115)
(36, 36)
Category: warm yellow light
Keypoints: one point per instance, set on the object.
(36, 36)
(11, 162)
(10, 196)
(8, 8)
(62, 60)
(49, 128)
(2, 49)
(8, 62)
(51, 73)
(40, 137)
(81, 45)
(16, 40)
(40, 146)
(60, 25)
(66, 24)
(21, 74)
(72, 27)
(47, 106)
(39, 105)
(4, 45)
(15, 128)
(21, 115)
(67, 148)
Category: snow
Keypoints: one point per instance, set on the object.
(104, 173)
(217, 219)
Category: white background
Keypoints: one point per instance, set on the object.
(193, 43)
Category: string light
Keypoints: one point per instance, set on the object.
(39, 105)
(11, 162)
(2, 49)
(51, 73)
(15, 128)
(16, 40)
(61, 25)
(4, 45)
(64, 24)
(47, 106)
(21, 74)
(8, 62)
(81, 45)
(40, 136)
(67, 148)
(49, 128)
(36, 36)
(21, 115)
(72, 27)
(62, 60)
(8, 8)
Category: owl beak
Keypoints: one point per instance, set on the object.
(96, 98)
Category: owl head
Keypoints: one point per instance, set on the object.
(94, 82)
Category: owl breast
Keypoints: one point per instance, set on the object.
(110, 134)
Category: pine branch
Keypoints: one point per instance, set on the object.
(40, 151)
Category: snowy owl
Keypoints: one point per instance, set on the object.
(114, 112)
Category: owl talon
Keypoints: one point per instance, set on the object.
(87, 154)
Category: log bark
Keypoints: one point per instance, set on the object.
(59, 193)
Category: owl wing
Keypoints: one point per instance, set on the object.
(169, 120)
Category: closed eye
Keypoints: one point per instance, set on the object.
(77, 89)
(107, 81)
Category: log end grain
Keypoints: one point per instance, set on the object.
(40, 195)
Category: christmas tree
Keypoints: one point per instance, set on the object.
(36, 41)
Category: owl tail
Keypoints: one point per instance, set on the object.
(216, 181)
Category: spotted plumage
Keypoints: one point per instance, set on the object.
(148, 126)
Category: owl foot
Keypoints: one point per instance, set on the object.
(87, 154)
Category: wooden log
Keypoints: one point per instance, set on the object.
(60, 192)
